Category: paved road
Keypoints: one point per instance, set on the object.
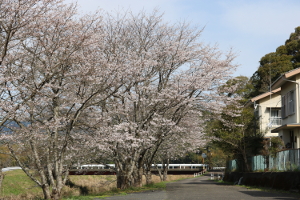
(205, 189)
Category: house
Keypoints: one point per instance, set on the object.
(267, 108)
(289, 130)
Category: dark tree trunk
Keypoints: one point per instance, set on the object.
(124, 180)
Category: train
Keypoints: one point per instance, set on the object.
(154, 166)
(96, 166)
(181, 166)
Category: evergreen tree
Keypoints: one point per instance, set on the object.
(274, 64)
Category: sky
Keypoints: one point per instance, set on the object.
(252, 28)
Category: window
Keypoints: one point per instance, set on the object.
(283, 107)
(275, 119)
(291, 143)
(291, 102)
(288, 104)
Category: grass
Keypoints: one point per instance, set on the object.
(115, 191)
(224, 182)
(17, 185)
(80, 198)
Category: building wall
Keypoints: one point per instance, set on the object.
(297, 135)
(297, 94)
(293, 118)
(285, 136)
(289, 86)
(264, 113)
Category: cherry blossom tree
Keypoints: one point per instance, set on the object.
(126, 85)
(53, 73)
(175, 78)
(175, 147)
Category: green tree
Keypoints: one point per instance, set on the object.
(218, 157)
(274, 64)
(238, 140)
(234, 132)
(239, 87)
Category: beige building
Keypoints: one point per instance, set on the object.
(268, 112)
(289, 131)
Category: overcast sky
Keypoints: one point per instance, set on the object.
(252, 28)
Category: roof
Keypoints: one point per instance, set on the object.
(265, 95)
(282, 79)
(286, 126)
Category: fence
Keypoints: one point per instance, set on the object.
(287, 160)
(231, 165)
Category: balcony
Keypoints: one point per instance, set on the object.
(275, 121)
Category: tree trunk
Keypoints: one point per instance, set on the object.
(165, 170)
(148, 176)
(1, 178)
(55, 195)
(165, 174)
(138, 177)
(124, 180)
(139, 172)
(159, 173)
(245, 155)
(246, 162)
(46, 191)
(125, 172)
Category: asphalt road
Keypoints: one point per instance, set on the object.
(205, 189)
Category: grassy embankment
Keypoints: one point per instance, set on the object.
(17, 185)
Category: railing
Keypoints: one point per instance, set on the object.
(276, 121)
(218, 168)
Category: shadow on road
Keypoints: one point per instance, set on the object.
(274, 195)
(219, 187)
